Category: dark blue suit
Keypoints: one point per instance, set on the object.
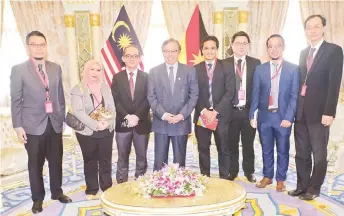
(269, 122)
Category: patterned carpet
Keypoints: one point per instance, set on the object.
(17, 201)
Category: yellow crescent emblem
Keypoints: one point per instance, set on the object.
(118, 24)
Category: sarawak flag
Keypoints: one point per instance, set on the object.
(121, 36)
(191, 41)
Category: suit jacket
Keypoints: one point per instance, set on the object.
(251, 64)
(125, 105)
(222, 90)
(28, 98)
(82, 106)
(323, 82)
(183, 101)
(287, 96)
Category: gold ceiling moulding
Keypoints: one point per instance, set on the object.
(80, 1)
(243, 17)
(69, 21)
(218, 17)
(95, 19)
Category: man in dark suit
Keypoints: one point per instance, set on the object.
(38, 112)
(243, 67)
(133, 123)
(321, 66)
(274, 94)
(216, 86)
(172, 95)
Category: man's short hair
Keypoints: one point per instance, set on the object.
(239, 34)
(210, 38)
(171, 40)
(132, 45)
(34, 33)
(273, 36)
(323, 19)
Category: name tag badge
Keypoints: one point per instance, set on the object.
(303, 90)
(48, 107)
(271, 100)
(241, 94)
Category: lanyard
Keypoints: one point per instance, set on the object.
(240, 72)
(210, 75)
(277, 71)
(44, 81)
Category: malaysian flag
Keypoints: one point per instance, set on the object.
(121, 36)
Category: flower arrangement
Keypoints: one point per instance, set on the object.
(172, 181)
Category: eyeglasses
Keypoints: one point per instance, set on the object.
(132, 56)
(275, 47)
(238, 44)
(308, 28)
(170, 51)
(38, 45)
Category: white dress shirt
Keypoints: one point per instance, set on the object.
(134, 76)
(272, 72)
(175, 69)
(317, 46)
(243, 80)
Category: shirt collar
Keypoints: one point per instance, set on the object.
(210, 62)
(278, 62)
(317, 46)
(135, 71)
(242, 58)
(175, 65)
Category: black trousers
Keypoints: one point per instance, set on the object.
(96, 152)
(240, 129)
(311, 139)
(40, 147)
(203, 136)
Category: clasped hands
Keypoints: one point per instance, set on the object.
(210, 115)
(173, 119)
(133, 120)
(102, 125)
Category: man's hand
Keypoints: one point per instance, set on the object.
(285, 123)
(21, 134)
(210, 115)
(133, 120)
(253, 123)
(177, 118)
(169, 118)
(327, 120)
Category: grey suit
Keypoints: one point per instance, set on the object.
(82, 105)
(28, 97)
(44, 131)
(161, 101)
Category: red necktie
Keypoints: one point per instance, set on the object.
(310, 59)
(131, 84)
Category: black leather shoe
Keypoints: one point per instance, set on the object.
(232, 177)
(63, 199)
(308, 196)
(37, 207)
(251, 178)
(296, 192)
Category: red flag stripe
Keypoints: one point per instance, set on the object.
(118, 65)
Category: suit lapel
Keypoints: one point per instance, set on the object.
(178, 80)
(138, 84)
(303, 67)
(33, 72)
(267, 74)
(316, 58)
(249, 71)
(281, 82)
(165, 81)
(125, 81)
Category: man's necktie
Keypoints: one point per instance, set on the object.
(40, 69)
(237, 81)
(310, 59)
(274, 86)
(171, 78)
(131, 84)
(210, 83)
